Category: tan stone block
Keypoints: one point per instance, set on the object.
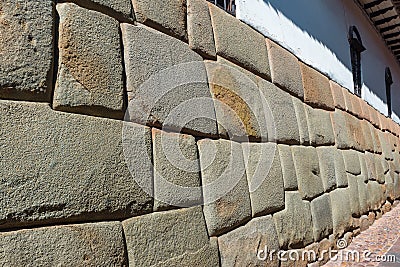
(319, 126)
(347, 99)
(338, 97)
(374, 116)
(357, 111)
(356, 137)
(365, 110)
(375, 139)
(340, 130)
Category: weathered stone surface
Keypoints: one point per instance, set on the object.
(321, 212)
(285, 69)
(352, 161)
(90, 73)
(370, 162)
(347, 99)
(94, 244)
(250, 52)
(337, 93)
(374, 116)
(375, 139)
(283, 114)
(149, 239)
(364, 223)
(386, 148)
(356, 136)
(364, 169)
(319, 126)
(26, 49)
(299, 108)
(326, 156)
(199, 27)
(365, 110)
(166, 82)
(341, 132)
(225, 187)
(239, 105)
(288, 169)
(168, 16)
(341, 214)
(176, 170)
(396, 181)
(380, 172)
(120, 8)
(316, 86)
(241, 246)
(369, 143)
(389, 182)
(376, 195)
(308, 172)
(362, 194)
(294, 223)
(264, 176)
(340, 170)
(65, 167)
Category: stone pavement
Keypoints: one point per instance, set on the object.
(381, 240)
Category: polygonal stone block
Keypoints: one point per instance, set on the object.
(326, 156)
(362, 194)
(337, 93)
(116, 7)
(300, 109)
(369, 143)
(321, 212)
(288, 169)
(375, 139)
(380, 172)
(356, 136)
(319, 127)
(386, 148)
(341, 213)
(341, 133)
(340, 170)
(352, 161)
(354, 197)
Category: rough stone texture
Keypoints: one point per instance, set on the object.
(375, 139)
(170, 238)
(117, 8)
(356, 137)
(250, 52)
(337, 93)
(340, 170)
(299, 108)
(26, 49)
(364, 169)
(369, 143)
(354, 197)
(199, 27)
(355, 100)
(316, 88)
(65, 167)
(90, 69)
(326, 156)
(362, 194)
(308, 172)
(225, 187)
(238, 247)
(347, 99)
(283, 114)
(285, 69)
(365, 110)
(294, 223)
(389, 182)
(364, 223)
(168, 85)
(288, 169)
(319, 126)
(341, 218)
(264, 176)
(176, 170)
(380, 172)
(239, 106)
(386, 148)
(375, 192)
(370, 162)
(352, 161)
(168, 16)
(374, 116)
(94, 244)
(321, 212)
(340, 130)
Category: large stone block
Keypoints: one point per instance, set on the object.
(300, 109)
(337, 93)
(308, 172)
(340, 170)
(321, 212)
(341, 213)
(316, 86)
(354, 196)
(26, 49)
(90, 73)
(319, 126)
(281, 106)
(340, 130)
(380, 172)
(166, 82)
(168, 16)
(369, 143)
(326, 156)
(94, 244)
(225, 187)
(370, 163)
(364, 169)
(288, 169)
(65, 167)
(176, 171)
(264, 176)
(199, 27)
(171, 238)
(241, 246)
(294, 223)
(376, 195)
(375, 139)
(250, 52)
(352, 161)
(285, 69)
(347, 99)
(385, 144)
(363, 195)
(117, 8)
(356, 136)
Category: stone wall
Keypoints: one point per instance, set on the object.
(169, 133)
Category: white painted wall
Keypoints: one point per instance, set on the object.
(316, 32)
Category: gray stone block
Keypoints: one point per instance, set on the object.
(326, 156)
(90, 73)
(354, 195)
(341, 213)
(288, 169)
(375, 139)
(238, 247)
(386, 148)
(250, 52)
(264, 176)
(225, 187)
(283, 114)
(170, 238)
(116, 8)
(168, 16)
(307, 171)
(26, 49)
(352, 161)
(199, 27)
(93, 244)
(364, 169)
(176, 171)
(340, 170)
(319, 126)
(341, 132)
(299, 108)
(389, 182)
(376, 195)
(380, 172)
(65, 167)
(321, 213)
(294, 223)
(370, 163)
(369, 143)
(166, 82)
